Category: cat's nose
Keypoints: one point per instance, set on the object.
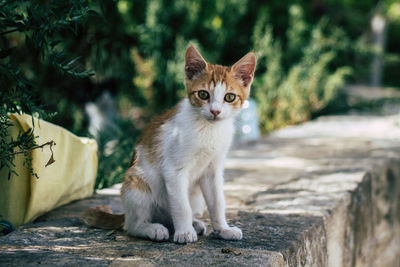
(215, 112)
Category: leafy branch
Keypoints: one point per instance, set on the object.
(24, 151)
(26, 144)
(33, 26)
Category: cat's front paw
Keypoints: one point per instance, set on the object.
(157, 232)
(185, 236)
(231, 233)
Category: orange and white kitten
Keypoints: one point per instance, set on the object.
(179, 159)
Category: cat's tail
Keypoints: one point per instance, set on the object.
(102, 217)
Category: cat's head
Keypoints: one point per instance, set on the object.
(217, 92)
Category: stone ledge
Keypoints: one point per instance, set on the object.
(324, 193)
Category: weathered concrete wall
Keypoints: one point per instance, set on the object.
(343, 170)
(325, 193)
(373, 230)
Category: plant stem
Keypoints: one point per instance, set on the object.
(50, 143)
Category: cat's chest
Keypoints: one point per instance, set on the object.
(208, 146)
(196, 141)
(211, 139)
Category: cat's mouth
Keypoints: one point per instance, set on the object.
(213, 119)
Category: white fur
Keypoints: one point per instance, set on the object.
(217, 98)
(193, 150)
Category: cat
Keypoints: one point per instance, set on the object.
(178, 161)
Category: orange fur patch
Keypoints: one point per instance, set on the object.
(135, 182)
(102, 217)
(149, 135)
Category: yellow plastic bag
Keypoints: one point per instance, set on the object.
(24, 197)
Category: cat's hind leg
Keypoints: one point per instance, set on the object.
(199, 226)
(137, 207)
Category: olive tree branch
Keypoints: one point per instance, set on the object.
(24, 151)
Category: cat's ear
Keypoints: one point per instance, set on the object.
(194, 62)
(243, 70)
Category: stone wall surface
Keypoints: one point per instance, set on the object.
(324, 193)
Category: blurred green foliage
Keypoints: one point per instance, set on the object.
(306, 51)
(115, 156)
(293, 83)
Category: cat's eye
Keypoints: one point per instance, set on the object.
(204, 95)
(229, 97)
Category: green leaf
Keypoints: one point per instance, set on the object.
(93, 13)
(54, 43)
(73, 61)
